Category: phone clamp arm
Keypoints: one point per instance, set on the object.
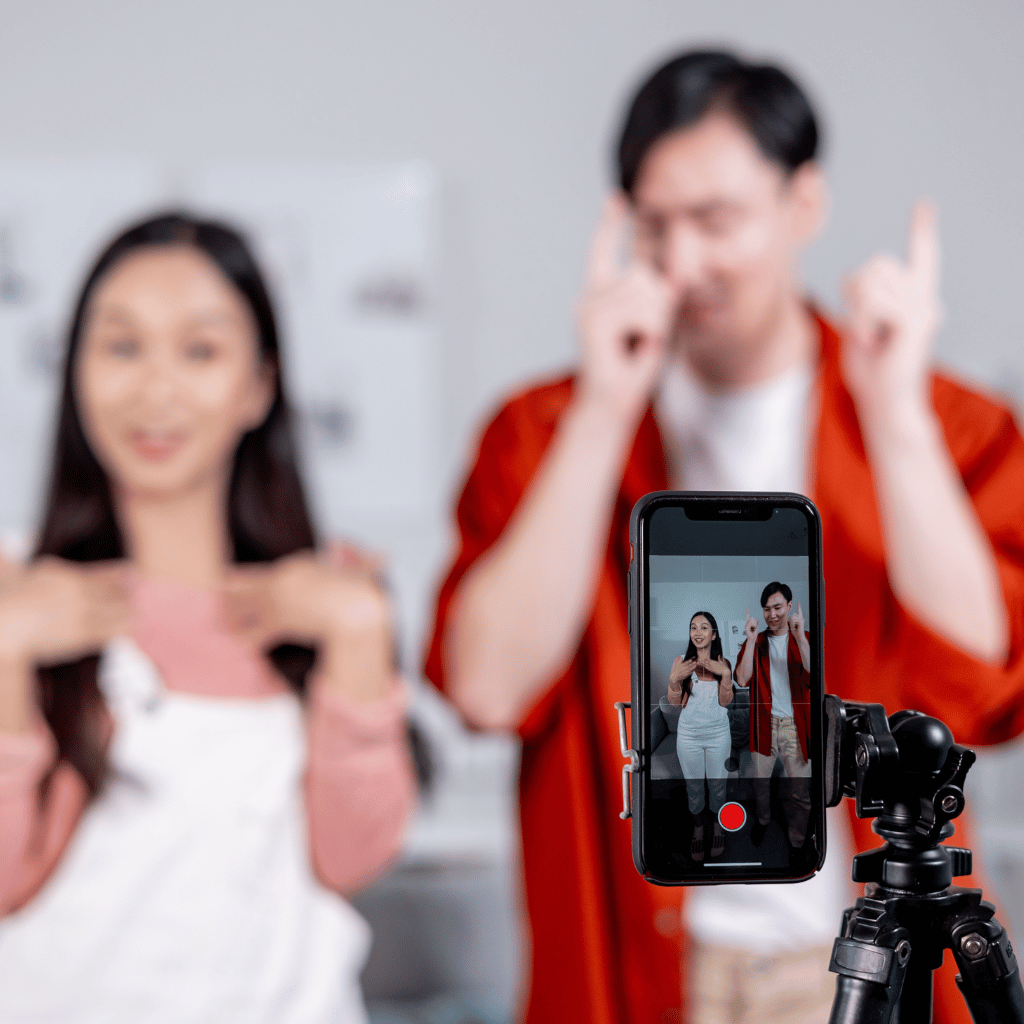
(633, 759)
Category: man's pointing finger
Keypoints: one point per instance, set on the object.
(923, 247)
(603, 265)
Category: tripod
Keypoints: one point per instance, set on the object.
(907, 773)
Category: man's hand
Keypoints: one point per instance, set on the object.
(893, 313)
(796, 628)
(625, 320)
(934, 542)
(519, 615)
(796, 621)
(750, 627)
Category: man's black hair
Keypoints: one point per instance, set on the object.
(776, 588)
(763, 98)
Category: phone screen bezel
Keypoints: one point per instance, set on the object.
(649, 858)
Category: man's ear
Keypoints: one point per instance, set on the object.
(809, 196)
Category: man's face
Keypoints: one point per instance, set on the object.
(725, 226)
(776, 612)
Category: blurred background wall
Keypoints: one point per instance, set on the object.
(514, 107)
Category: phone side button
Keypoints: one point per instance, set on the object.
(629, 601)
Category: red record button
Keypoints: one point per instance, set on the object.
(732, 817)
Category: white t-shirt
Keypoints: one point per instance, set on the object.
(778, 664)
(755, 439)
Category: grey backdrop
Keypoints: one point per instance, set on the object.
(516, 104)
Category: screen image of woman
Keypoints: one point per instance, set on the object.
(201, 727)
(700, 684)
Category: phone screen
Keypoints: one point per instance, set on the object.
(728, 667)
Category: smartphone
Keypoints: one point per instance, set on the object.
(726, 612)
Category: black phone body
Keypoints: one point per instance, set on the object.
(700, 562)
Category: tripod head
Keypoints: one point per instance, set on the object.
(907, 772)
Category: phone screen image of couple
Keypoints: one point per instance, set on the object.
(731, 707)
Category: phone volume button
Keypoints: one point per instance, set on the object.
(629, 601)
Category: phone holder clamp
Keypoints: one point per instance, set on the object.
(631, 755)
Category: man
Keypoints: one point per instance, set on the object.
(702, 366)
(778, 663)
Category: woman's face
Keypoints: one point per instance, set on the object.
(701, 632)
(168, 376)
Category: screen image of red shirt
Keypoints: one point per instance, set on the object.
(761, 694)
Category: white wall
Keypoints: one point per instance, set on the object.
(516, 103)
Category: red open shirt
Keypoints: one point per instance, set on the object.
(606, 946)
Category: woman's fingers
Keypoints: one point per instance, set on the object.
(61, 610)
(348, 557)
(247, 604)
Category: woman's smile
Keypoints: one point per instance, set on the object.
(156, 445)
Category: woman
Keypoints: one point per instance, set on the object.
(700, 684)
(200, 724)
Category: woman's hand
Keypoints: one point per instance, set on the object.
(50, 612)
(53, 610)
(724, 672)
(309, 600)
(715, 666)
(681, 668)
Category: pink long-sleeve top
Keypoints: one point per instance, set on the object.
(358, 782)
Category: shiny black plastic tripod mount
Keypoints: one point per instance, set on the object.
(907, 773)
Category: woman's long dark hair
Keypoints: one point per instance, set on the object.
(714, 653)
(267, 512)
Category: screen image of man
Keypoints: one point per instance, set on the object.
(704, 367)
(776, 665)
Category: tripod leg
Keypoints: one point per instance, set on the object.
(989, 977)
(870, 981)
(862, 1002)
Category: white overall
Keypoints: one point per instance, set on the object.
(186, 893)
(703, 743)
